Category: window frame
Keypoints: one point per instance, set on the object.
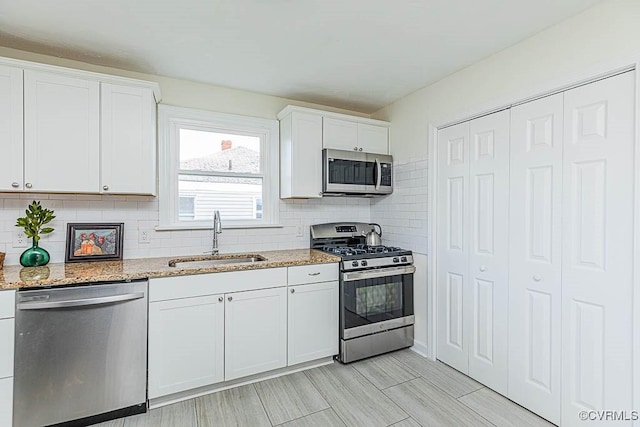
(171, 119)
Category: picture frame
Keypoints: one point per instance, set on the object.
(88, 242)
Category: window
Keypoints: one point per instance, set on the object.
(213, 161)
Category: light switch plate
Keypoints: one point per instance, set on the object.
(299, 231)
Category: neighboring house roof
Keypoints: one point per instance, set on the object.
(238, 159)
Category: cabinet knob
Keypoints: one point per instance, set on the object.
(360, 149)
(537, 278)
(483, 268)
(105, 187)
(28, 185)
(293, 291)
(229, 298)
(220, 299)
(355, 148)
(15, 185)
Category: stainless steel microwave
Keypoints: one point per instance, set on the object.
(351, 173)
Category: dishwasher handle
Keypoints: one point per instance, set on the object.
(79, 302)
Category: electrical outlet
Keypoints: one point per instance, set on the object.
(19, 239)
(299, 231)
(144, 236)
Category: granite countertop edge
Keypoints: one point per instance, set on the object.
(60, 274)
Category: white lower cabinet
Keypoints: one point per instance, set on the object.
(256, 332)
(186, 344)
(7, 312)
(313, 322)
(6, 401)
(212, 328)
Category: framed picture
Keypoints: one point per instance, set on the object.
(94, 242)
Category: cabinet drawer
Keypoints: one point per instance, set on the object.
(167, 288)
(6, 344)
(312, 273)
(7, 304)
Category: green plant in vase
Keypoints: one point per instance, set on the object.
(34, 225)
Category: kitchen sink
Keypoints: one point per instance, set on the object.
(213, 261)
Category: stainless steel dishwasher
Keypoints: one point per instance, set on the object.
(80, 354)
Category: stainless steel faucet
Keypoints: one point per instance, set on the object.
(217, 229)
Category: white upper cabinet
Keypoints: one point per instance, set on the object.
(373, 139)
(305, 132)
(353, 136)
(11, 128)
(62, 133)
(339, 134)
(70, 131)
(301, 155)
(128, 144)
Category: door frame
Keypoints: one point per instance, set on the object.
(575, 79)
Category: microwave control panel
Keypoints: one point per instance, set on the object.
(385, 176)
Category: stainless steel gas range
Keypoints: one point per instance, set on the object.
(376, 291)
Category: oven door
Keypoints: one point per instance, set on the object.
(376, 300)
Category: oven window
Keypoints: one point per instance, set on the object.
(378, 299)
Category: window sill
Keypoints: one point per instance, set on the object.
(204, 227)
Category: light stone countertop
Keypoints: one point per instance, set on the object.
(18, 277)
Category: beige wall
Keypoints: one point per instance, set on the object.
(607, 31)
(185, 93)
(589, 41)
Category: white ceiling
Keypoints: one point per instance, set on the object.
(354, 54)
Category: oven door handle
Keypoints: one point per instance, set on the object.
(382, 272)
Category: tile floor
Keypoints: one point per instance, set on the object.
(400, 389)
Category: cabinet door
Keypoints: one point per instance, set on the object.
(6, 401)
(339, 134)
(128, 144)
(186, 339)
(597, 250)
(301, 156)
(487, 315)
(7, 345)
(313, 322)
(11, 125)
(373, 139)
(256, 332)
(452, 278)
(535, 280)
(61, 133)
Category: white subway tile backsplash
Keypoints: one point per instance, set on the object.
(142, 212)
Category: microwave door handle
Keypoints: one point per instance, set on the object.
(378, 174)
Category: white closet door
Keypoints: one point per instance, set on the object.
(453, 245)
(597, 254)
(487, 315)
(535, 255)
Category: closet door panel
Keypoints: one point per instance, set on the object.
(535, 255)
(597, 247)
(487, 313)
(453, 246)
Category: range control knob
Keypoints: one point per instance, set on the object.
(354, 263)
(395, 259)
(363, 263)
(403, 259)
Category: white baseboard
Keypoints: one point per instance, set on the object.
(420, 348)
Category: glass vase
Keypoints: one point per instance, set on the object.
(34, 256)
